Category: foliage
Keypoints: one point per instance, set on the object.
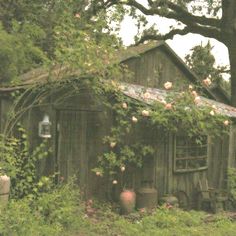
(50, 214)
(208, 18)
(60, 213)
(18, 54)
(20, 164)
(202, 62)
(70, 34)
(232, 181)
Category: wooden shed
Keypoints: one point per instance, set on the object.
(80, 121)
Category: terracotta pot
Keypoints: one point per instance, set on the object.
(127, 201)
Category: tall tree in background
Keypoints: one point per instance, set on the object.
(202, 62)
(210, 18)
(35, 33)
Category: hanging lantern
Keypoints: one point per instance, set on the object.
(45, 127)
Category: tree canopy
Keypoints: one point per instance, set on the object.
(210, 18)
(82, 33)
(49, 32)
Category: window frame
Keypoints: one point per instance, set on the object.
(189, 159)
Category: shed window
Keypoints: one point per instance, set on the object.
(190, 155)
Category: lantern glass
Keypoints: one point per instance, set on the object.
(45, 127)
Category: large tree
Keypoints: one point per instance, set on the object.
(210, 18)
(50, 32)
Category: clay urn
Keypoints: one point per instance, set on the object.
(127, 201)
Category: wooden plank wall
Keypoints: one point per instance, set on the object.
(153, 69)
(218, 162)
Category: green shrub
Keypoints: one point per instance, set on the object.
(18, 162)
(50, 214)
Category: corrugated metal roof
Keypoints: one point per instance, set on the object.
(151, 95)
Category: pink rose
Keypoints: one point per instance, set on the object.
(145, 113)
(226, 122)
(77, 15)
(124, 105)
(197, 99)
(134, 119)
(212, 113)
(146, 95)
(112, 144)
(207, 82)
(168, 106)
(168, 85)
(194, 93)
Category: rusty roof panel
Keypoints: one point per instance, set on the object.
(151, 95)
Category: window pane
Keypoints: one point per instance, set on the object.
(190, 154)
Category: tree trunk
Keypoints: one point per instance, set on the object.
(232, 58)
(228, 29)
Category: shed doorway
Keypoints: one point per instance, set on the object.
(78, 144)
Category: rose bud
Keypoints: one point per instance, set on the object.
(114, 182)
(122, 168)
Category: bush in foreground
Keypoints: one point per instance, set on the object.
(62, 212)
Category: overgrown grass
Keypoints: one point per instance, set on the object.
(62, 212)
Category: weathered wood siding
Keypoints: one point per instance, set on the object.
(218, 162)
(153, 68)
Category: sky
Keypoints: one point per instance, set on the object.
(180, 44)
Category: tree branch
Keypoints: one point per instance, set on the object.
(208, 27)
(169, 35)
(197, 19)
(211, 33)
(174, 12)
